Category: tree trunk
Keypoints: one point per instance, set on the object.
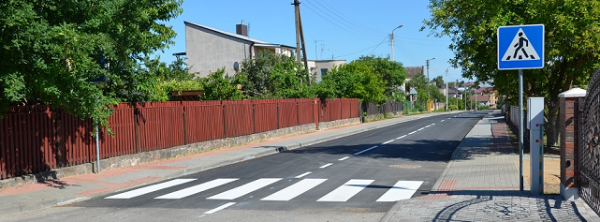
(551, 125)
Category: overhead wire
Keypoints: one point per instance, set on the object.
(341, 25)
(347, 20)
(375, 46)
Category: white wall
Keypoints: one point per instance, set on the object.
(208, 51)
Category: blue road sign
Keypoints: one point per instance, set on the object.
(521, 47)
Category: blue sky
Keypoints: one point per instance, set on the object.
(345, 29)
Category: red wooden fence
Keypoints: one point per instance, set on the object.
(36, 138)
(264, 111)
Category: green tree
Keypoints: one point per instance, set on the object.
(218, 87)
(50, 50)
(572, 42)
(391, 72)
(273, 76)
(439, 82)
(354, 80)
(425, 91)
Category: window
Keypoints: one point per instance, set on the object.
(323, 72)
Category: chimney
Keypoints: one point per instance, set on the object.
(241, 29)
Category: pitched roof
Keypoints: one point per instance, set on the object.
(257, 42)
(413, 71)
(480, 98)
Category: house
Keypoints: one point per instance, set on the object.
(485, 96)
(209, 49)
(411, 72)
(452, 92)
(319, 68)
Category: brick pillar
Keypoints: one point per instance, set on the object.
(568, 128)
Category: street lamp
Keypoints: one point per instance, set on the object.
(392, 40)
(428, 68)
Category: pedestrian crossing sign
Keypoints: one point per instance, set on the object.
(521, 47)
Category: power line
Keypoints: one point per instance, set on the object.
(362, 49)
(339, 25)
(378, 45)
(347, 20)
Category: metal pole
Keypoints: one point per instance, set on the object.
(97, 147)
(392, 41)
(520, 129)
(446, 87)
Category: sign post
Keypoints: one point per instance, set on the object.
(521, 47)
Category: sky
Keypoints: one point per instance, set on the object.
(342, 29)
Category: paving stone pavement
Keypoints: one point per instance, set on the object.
(481, 183)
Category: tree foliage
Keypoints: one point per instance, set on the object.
(50, 50)
(218, 87)
(571, 51)
(273, 76)
(439, 81)
(391, 72)
(358, 79)
(424, 90)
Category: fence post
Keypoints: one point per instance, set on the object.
(185, 141)
(253, 116)
(136, 125)
(316, 113)
(224, 120)
(297, 113)
(277, 103)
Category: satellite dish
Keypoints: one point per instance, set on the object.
(236, 66)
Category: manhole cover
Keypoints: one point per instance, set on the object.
(405, 166)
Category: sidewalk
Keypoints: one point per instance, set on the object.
(481, 183)
(72, 189)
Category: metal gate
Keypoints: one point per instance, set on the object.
(589, 145)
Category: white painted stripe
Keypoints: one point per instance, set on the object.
(244, 189)
(196, 189)
(302, 175)
(422, 128)
(401, 137)
(442, 121)
(344, 158)
(402, 190)
(326, 165)
(294, 190)
(346, 191)
(220, 208)
(386, 142)
(149, 189)
(361, 152)
(413, 132)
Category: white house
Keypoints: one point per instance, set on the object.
(319, 68)
(209, 49)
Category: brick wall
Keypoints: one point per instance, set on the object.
(568, 141)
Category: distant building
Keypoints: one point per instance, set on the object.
(209, 49)
(319, 68)
(485, 96)
(411, 72)
(452, 92)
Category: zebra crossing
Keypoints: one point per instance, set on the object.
(401, 190)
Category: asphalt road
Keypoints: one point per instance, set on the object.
(356, 178)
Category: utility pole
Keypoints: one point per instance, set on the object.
(300, 38)
(446, 87)
(392, 41)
